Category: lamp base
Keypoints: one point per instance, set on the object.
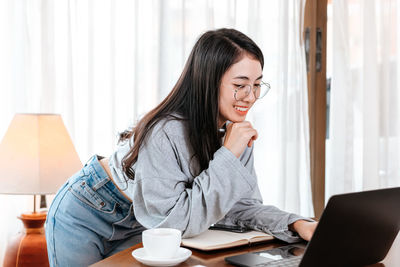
(28, 247)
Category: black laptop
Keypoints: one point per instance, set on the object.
(355, 229)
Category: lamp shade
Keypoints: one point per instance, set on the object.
(36, 155)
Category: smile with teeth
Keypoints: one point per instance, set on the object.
(241, 109)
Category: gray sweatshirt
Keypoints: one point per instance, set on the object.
(165, 194)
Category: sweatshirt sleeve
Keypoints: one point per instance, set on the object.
(163, 196)
(252, 214)
(249, 211)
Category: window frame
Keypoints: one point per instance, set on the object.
(315, 22)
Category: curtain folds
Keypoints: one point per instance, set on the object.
(102, 64)
(363, 149)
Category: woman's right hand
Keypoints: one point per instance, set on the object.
(238, 136)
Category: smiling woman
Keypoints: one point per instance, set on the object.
(174, 169)
(235, 99)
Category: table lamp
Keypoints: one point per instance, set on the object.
(36, 157)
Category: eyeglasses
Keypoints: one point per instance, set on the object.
(259, 90)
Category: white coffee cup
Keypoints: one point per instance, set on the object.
(161, 243)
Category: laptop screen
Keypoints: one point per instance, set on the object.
(356, 229)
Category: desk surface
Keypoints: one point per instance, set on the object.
(216, 258)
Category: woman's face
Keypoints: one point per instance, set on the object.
(247, 71)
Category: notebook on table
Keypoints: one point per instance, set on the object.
(219, 239)
(355, 229)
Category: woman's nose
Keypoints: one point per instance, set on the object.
(251, 97)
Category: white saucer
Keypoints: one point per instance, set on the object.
(182, 255)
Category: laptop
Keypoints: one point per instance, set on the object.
(355, 229)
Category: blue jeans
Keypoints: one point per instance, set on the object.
(89, 219)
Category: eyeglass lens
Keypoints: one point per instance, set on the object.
(259, 91)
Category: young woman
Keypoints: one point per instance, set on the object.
(187, 164)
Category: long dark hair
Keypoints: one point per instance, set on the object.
(195, 95)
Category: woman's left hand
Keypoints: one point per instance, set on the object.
(305, 229)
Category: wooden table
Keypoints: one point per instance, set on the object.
(216, 258)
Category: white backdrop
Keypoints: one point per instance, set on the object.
(363, 151)
(102, 63)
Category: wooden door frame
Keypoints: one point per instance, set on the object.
(315, 22)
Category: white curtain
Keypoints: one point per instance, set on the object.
(102, 63)
(363, 149)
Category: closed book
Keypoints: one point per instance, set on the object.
(218, 239)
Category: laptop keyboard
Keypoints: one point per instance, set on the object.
(288, 262)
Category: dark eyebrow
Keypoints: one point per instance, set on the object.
(246, 78)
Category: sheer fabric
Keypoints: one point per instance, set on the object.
(363, 149)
